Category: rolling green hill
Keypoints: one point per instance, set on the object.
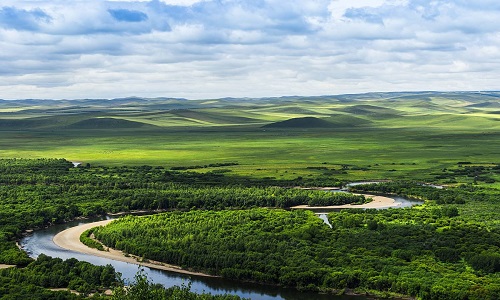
(306, 122)
(107, 123)
(372, 110)
(362, 136)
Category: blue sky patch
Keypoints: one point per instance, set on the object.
(125, 15)
(21, 19)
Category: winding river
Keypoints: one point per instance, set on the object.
(41, 241)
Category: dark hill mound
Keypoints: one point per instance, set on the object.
(16, 124)
(485, 105)
(107, 123)
(305, 122)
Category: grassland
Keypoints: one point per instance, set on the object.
(369, 136)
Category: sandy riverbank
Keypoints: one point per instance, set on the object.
(70, 239)
(378, 202)
(6, 266)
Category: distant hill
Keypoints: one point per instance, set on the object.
(305, 122)
(107, 123)
(330, 111)
(29, 123)
(370, 110)
(339, 120)
(486, 105)
(212, 117)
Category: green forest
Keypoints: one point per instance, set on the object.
(431, 252)
(448, 248)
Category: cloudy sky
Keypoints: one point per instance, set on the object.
(245, 48)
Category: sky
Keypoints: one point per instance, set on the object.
(200, 49)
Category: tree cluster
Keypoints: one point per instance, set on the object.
(47, 272)
(410, 189)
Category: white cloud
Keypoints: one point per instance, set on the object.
(221, 48)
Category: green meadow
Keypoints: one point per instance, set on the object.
(353, 137)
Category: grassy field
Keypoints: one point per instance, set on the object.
(371, 136)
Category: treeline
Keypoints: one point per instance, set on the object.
(215, 165)
(41, 171)
(10, 290)
(339, 198)
(410, 189)
(422, 252)
(483, 173)
(47, 272)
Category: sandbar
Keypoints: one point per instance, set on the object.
(2, 266)
(70, 239)
(378, 202)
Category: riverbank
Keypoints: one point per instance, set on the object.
(70, 239)
(2, 266)
(377, 203)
